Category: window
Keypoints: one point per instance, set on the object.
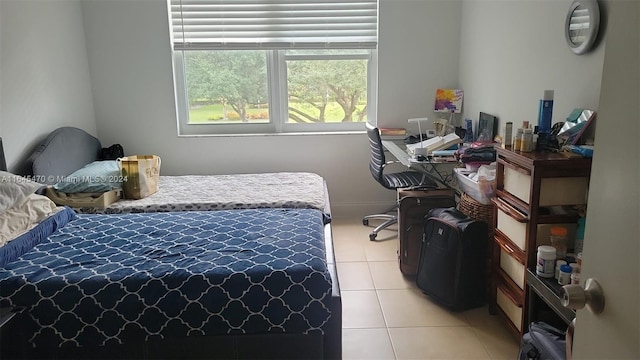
(251, 67)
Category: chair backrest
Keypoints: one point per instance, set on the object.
(377, 161)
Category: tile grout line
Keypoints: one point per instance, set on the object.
(384, 317)
(362, 243)
(484, 346)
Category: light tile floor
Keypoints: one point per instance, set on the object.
(385, 316)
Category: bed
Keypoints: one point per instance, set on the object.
(290, 311)
(69, 149)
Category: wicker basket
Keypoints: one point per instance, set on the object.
(477, 211)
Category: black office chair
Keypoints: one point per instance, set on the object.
(391, 181)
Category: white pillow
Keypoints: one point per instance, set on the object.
(15, 189)
(25, 216)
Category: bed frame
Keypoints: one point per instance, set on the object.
(76, 149)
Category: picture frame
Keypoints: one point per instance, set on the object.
(448, 101)
(487, 126)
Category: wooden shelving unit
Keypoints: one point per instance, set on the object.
(534, 191)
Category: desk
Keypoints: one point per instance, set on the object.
(397, 152)
(429, 167)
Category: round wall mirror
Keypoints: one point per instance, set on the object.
(581, 25)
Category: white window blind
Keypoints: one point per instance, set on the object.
(273, 24)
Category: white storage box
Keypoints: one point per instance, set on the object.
(513, 268)
(553, 191)
(513, 228)
(513, 311)
(482, 194)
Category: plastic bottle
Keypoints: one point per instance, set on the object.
(546, 261)
(517, 140)
(579, 236)
(575, 278)
(527, 140)
(545, 112)
(564, 278)
(508, 134)
(559, 263)
(559, 240)
(575, 268)
(579, 259)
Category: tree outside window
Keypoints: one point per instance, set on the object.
(232, 86)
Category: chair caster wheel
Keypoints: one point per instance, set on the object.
(365, 222)
(372, 237)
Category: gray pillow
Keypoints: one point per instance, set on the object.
(64, 151)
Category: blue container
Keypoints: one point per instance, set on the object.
(545, 113)
(469, 130)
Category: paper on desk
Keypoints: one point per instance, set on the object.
(436, 143)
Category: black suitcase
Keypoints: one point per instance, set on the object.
(453, 257)
(412, 211)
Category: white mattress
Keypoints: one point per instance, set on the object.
(217, 192)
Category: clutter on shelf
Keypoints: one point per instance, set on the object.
(480, 184)
(477, 153)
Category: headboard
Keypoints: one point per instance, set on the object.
(3, 161)
(64, 151)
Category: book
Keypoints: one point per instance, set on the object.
(393, 131)
(436, 143)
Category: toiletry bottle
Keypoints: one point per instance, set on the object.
(517, 140)
(527, 140)
(508, 134)
(545, 112)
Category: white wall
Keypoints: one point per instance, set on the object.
(45, 74)
(511, 51)
(129, 52)
(422, 47)
(419, 50)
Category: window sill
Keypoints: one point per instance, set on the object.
(315, 133)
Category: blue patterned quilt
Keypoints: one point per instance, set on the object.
(104, 279)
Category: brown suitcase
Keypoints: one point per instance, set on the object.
(412, 210)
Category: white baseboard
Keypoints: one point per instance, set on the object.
(351, 210)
